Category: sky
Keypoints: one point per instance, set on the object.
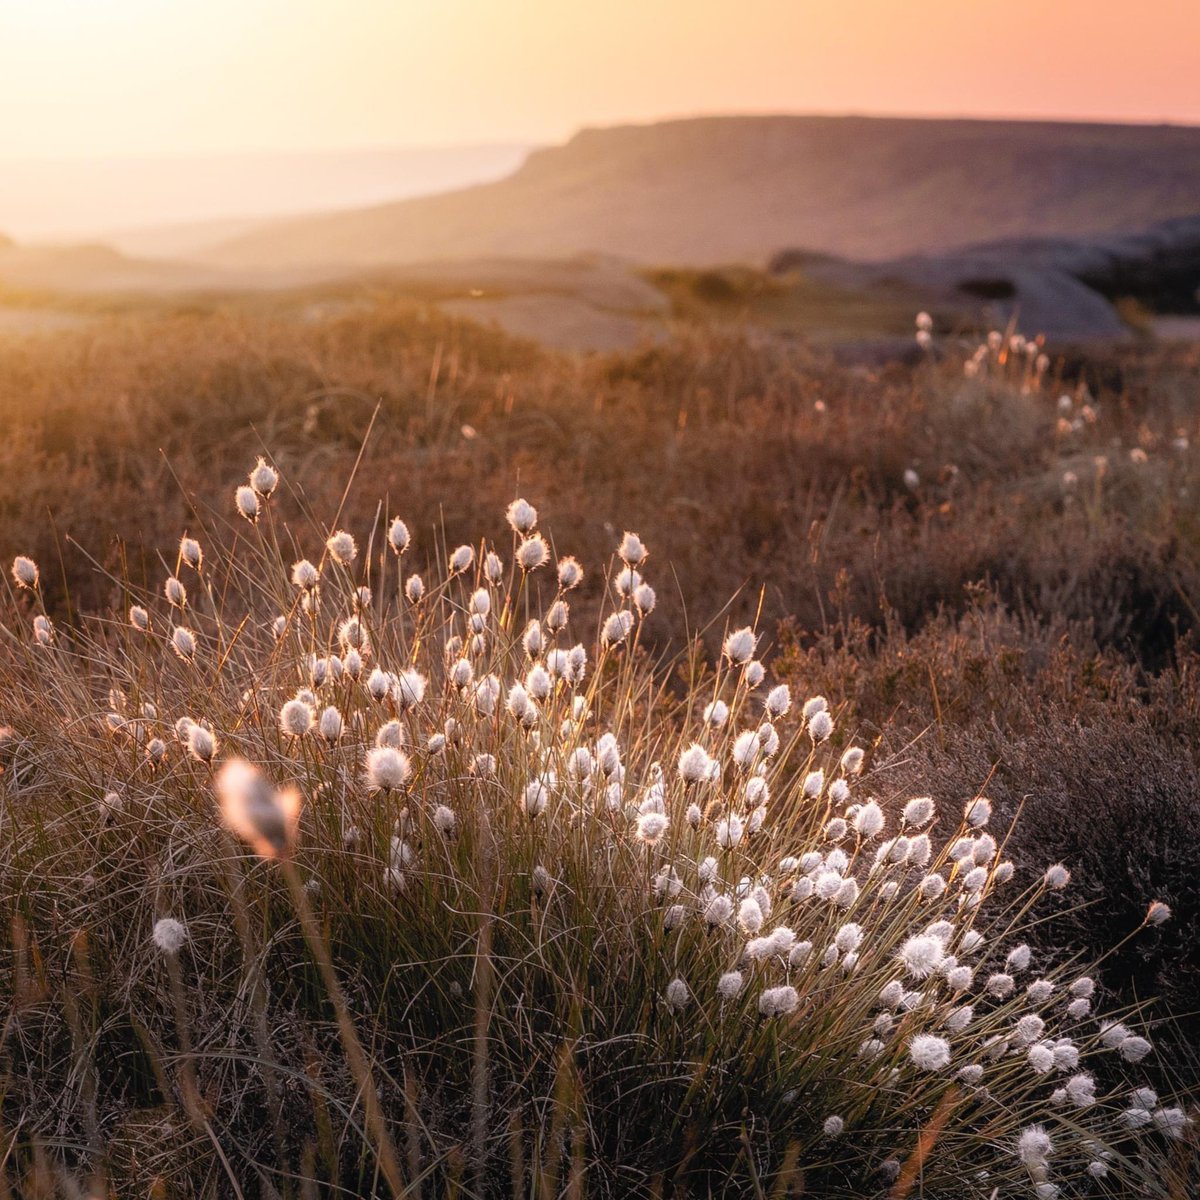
(101, 78)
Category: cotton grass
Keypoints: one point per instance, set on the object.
(546, 897)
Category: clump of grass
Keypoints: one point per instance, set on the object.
(407, 879)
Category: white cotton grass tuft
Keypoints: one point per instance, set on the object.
(246, 500)
(929, 1052)
(408, 689)
(190, 553)
(820, 726)
(739, 645)
(734, 843)
(919, 811)
(25, 572)
(264, 479)
(536, 797)
(533, 553)
(570, 573)
(632, 550)
(398, 536)
(778, 1001)
(678, 995)
(978, 811)
(388, 769)
(522, 517)
(183, 642)
(169, 935)
(296, 718)
(265, 817)
(201, 743)
(305, 575)
(651, 826)
(617, 627)
(922, 955)
(1057, 877)
(330, 724)
(730, 984)
(342, 548)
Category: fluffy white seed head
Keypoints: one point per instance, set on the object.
(305, 575)
(677, 995)
(616, 628)
(329, 724)
(632, 550)
(929, 1052)
(820, 726)
(978, 812)
(295, 718)
(190, 552)
(919, 811)
(570, 573)
(1057, 877)
(342, 548)
(922, 955)
(169, 935)
(869, 820)
(398, 536)
(533, 553)
(651, 826)
(264, 479)
(536, 797)
(388, 769)
(739, 645)
(1034, 1146)
(183, 642)
(257, 812)
(246, 499)
(729, 831)
(408, 689)
(25, 572)
(730, 985)
(778, 1001)
(521, 516)
(852, 760)
(444, 820)
(201, 743)
(645, 600)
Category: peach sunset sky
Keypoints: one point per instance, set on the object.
(82, 78)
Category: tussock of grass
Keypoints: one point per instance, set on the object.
(499, 901)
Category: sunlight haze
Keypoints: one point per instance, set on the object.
(92, 78)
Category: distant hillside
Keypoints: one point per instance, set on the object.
(739, 188)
